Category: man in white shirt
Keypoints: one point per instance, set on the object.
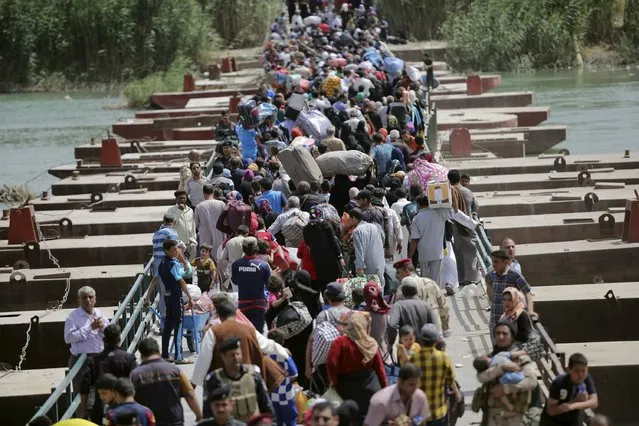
(427, 236)
(193, 185)
(184, 223)
(84, 331)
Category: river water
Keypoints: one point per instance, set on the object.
(39, 131)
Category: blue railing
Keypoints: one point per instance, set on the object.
(134, 321)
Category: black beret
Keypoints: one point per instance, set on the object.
(220, 393)
(230, 344)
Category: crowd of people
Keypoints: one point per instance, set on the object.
(328, 299)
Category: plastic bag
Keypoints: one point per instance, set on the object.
(413, 73)
(393, 65)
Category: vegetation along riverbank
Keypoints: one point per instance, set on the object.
(53, 45)
(506, 35)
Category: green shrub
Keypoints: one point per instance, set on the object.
(242, 23)
(506, 34)
(105, 40)
(138, 93)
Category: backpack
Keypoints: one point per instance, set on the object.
(293, 229)
(293, 319)
(239, 213)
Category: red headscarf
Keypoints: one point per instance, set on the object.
(374, 298)
(383, 132)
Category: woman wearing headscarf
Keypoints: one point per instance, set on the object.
(350, 142)
(495, 412)
(362, 137)
(354, 363)
(378, 309)
(322, 242)
(516, 313)
(245, 188)
(340, 192)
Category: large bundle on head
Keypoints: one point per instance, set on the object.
(344, 163)
(393, 66)
(332, 85)
(249, 114)
(267, 110)
(300, 165)
(314, 123)
(424, 172)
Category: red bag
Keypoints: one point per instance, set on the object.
(281, 258)
(239, 213)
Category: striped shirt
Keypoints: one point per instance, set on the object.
(161, 235)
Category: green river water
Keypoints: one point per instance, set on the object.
(40, 130)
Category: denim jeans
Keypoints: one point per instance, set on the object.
(173, 325)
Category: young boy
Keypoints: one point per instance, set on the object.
(128, 412)
(569, 394)
(172, 271)
(482, 363)
(204, 267)
(283, 398)
(407, 345)
(105, 385)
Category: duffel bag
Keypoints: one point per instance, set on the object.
(314, 123)
(299, 164)
(344, 163)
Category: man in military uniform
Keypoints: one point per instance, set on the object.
(248, 390)
(221, 405)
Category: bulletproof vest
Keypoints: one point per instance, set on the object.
(242, 392)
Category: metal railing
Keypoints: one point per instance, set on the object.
(134, 322)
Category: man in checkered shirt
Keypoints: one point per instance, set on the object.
(323, 337)
(437, 374)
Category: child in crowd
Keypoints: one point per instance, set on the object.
(127, 411)
(407, 345)
(283, 398)
(205, 268)
(482, 363)
(105, 386)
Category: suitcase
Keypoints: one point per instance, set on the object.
(344, 163)
(300, 165)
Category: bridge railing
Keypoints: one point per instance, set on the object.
(134, 321)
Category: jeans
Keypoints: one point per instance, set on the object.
(172, 325)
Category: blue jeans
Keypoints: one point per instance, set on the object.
(172, 325)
